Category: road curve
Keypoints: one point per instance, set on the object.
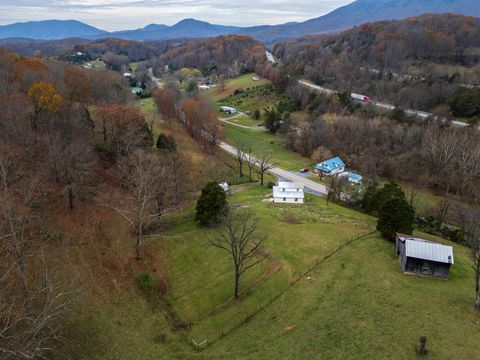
(309, 184)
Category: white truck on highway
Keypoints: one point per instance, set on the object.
(360, 97)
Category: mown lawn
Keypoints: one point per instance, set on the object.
(355, 305)
(246, 121)
(262, 141)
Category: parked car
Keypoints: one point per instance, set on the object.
(304, 170)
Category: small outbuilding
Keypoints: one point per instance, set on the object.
(352, 177)
(423, 257)
(228, 110)
(288, 192)
(224, 186)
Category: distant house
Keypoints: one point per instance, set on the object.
(288, 192)
(331, 166)
(423, 257)
(224, 186)
(228, 110)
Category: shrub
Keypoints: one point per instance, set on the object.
(166, 142)
(270, 184)
(148, 282)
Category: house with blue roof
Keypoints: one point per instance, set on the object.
(331, 166)
(354, 178)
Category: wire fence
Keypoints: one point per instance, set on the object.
(249, 316)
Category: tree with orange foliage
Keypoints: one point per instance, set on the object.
(44, 98)
(124, 128)
(166, 101)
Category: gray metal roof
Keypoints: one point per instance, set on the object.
(427, 250)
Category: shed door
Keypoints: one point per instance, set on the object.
(426, 268)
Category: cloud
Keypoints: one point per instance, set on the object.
(126, 14)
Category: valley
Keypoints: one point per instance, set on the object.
(198, 191)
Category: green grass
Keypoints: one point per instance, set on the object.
(241, 82)
(253, 98)
(246, 121)
(263, 141)
(133, 66)
(355, 305)
(147, 106)
(200, 276)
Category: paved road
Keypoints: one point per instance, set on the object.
(380, 104)
(309, 184)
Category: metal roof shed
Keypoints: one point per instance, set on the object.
(424, 257)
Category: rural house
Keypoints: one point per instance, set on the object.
(331, 166)
(352, 178)
(423, 257)
(288, 192)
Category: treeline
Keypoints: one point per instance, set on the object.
(134, 50)
(443, 158)
(375, 58)
(194, 113)
(228, 55)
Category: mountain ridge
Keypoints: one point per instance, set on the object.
(355, 13)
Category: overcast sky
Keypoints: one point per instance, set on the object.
(130, 14)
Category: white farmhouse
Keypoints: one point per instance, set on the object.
(288, 192)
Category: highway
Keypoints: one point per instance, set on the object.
(423, 115)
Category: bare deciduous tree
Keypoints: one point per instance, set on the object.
(146, 181)
(239, 237)
(30, 302)
(264, 163)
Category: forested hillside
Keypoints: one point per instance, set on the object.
(223, 54)
(81, 186)
(418, 62)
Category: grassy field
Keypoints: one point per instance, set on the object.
(246, 121)
(241, 82)
(262, 141)
(254, 98)
(147, 106)
(355, 305)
